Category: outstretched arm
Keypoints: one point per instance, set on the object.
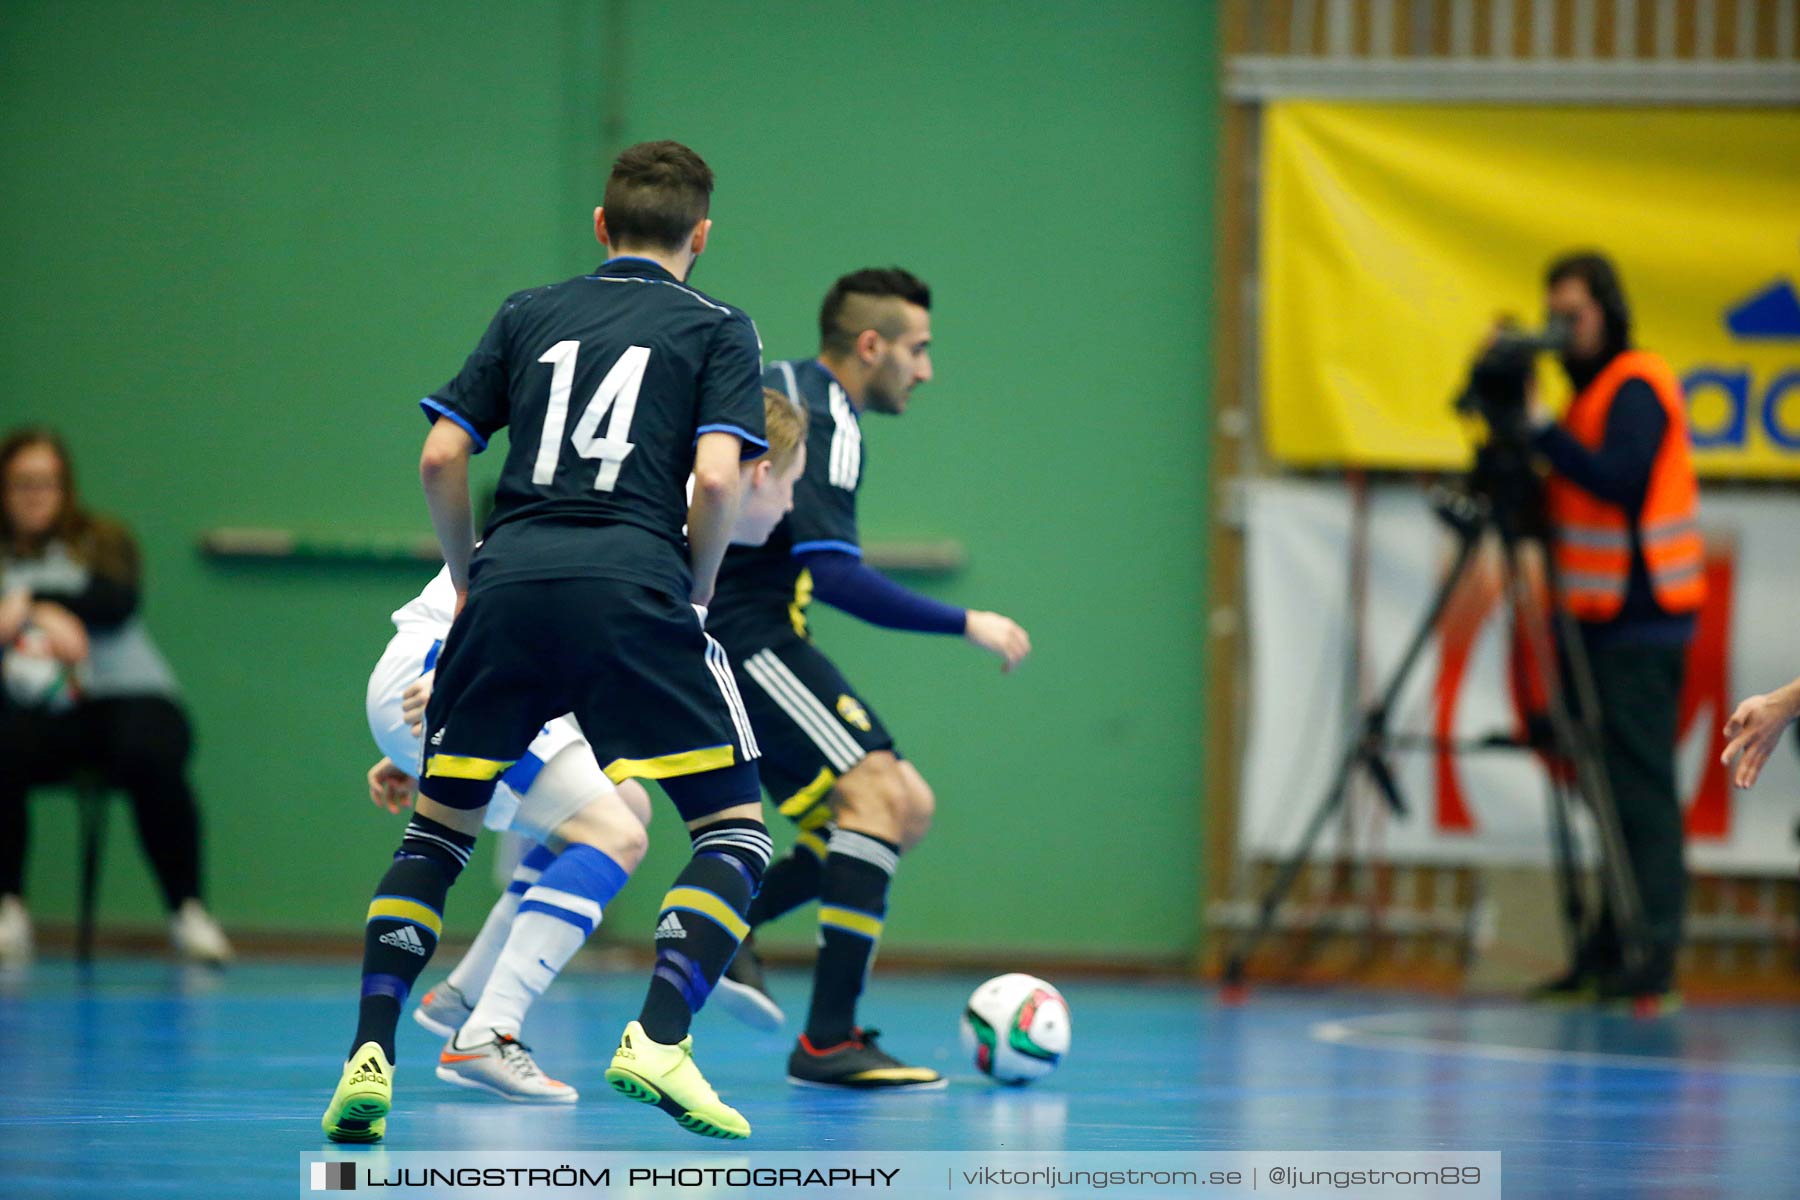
(845, 582)
(1754, 729)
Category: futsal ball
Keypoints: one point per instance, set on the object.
(1016, 1027)
(33, 677)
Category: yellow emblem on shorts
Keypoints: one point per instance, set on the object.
(853, 713)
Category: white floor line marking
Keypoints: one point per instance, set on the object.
(1344, 1033)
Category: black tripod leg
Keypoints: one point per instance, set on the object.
(1284, 879)
(1365, 748)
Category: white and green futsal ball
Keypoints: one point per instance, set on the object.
(1016, 1028)
(33, 677)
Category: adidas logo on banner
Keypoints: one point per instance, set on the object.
(334, 1177)
(405, 939)
(670, 928)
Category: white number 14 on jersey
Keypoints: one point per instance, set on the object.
(618, 392)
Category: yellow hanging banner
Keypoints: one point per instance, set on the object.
(1393, 235)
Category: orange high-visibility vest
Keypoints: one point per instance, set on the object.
(1594, 538)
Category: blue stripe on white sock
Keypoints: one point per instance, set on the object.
(530, 868)
(585, 871)
(579, 920)
(576, 888)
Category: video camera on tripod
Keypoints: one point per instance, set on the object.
(1502, 484)
(1502, 492)
(1498, 381)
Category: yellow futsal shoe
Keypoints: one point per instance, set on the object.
(652, 1073)
(359, 1108)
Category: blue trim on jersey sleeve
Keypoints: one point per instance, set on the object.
(522, 774)
(754, 447)
(435, 409)
(832, 547)
(431, 656)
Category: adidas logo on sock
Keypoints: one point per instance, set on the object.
(404, 938)
(670, 928)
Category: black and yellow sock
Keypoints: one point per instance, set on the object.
(794, 880)
(405, 918)
(852, 906)
(702, 922)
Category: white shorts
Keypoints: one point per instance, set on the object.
(556, 779)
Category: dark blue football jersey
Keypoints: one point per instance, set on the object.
(769, 577)
(605, 382)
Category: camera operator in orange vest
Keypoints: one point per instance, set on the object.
(1623, 505)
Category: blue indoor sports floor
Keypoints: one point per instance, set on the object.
(146, 1080)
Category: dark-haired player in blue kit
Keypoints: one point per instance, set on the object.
(586, 598)
(828, 761)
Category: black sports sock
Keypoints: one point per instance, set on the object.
(405, 919)
(701, 923)
(793, 881)
(852, 906)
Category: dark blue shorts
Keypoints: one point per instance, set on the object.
(653, 694)
(811, 723)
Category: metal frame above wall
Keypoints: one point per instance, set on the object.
(1755, 36)
(1536, 81)
(1707, 52)
(1573, 52)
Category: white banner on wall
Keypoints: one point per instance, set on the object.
(1486, 807)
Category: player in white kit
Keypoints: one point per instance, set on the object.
(590, 835)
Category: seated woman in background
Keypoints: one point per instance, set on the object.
(86, 688)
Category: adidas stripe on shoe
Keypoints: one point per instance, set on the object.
(365, 1092)
(665, 1076)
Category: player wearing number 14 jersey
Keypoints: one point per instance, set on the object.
(585, 598)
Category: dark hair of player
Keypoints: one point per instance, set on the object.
(854, 304)
(656, 194)
(1602, 280)
(785, 423)
(98, 542)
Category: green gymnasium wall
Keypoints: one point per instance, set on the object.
(239, 241)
